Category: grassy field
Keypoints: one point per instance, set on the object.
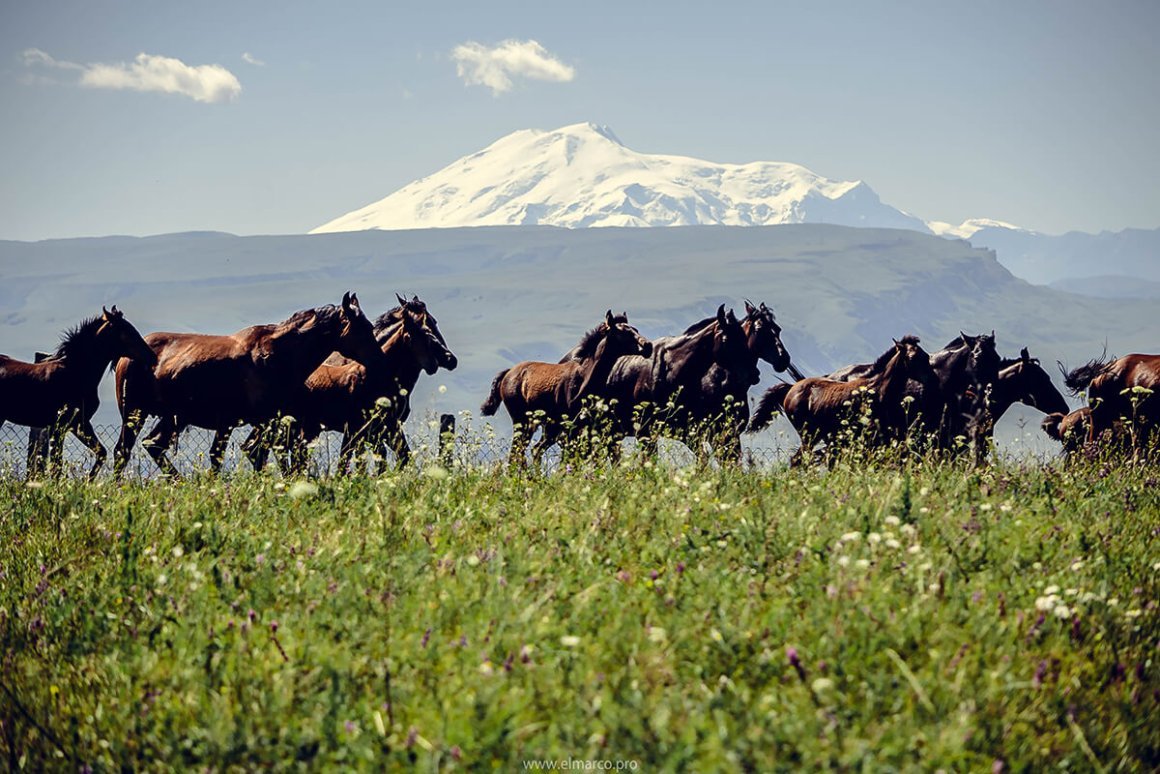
(639, 619)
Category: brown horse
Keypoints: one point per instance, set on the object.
(60, 391)
(220, 382)
(370, 403)
(1122, 389)
(817, 407)
(543, 395)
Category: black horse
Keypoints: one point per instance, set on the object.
(679, 391)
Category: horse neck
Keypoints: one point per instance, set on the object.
(399, 364)
(695, 356)
(1007, 390)
(88, 359)
(596, 370)
(891, 382)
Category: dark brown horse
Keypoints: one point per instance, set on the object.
(1021, 380)
(60, 391)
(953, 397)
(221, 382)
(683, 389)
(1070, 429)
(544, 395)
(370, 403)
(1123, 389)
(821, 409)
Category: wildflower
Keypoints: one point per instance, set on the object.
(1046, 603)
(302, 489)
(843, 561)
(1051, 590)
(914, 549)
(892, 521)
(862, 564)
(570, 641)
(472, 561)
(715, 636)
(850, 537)
(893, 543)
(1062, 611)
(436, 472)
(821, 685)
(443, 389)
(178, 551)
(379, 725)
(657, 634)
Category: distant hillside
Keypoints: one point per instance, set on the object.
(507, 294)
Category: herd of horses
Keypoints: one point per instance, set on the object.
(332, 368)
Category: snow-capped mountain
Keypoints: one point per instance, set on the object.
(582, 176)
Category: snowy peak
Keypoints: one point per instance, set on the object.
(582, 176)
(968, 228)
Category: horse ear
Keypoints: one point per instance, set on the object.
(115, 311)
(721, 314)
(402, 301)
(624, 315)
(962, 335)
(1024, 355)
(750, 309)
(730, 318)
(104, 313)
(608, 320)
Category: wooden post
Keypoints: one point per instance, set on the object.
(446, 439)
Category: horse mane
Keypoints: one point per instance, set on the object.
(588, 343)
(956, 342)
(699, 326)
(1078, 379)
(77, 336)
(327, 315)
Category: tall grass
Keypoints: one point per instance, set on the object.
(913, 617)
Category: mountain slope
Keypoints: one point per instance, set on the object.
(582, 176)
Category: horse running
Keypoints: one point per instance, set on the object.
(60, 391)
(682, 389)
(1119, 390)
(368, 404)
(221, 382)
(820, 409)
(543, 395)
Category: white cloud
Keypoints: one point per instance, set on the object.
(149, 72)
(495, 67)
(249, 58)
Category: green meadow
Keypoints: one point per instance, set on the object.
(644, 618)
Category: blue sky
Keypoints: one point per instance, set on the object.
(288, 114)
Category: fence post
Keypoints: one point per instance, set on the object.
(446, 439)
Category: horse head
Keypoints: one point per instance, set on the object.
(1035, 387)
(731, 347)
(763, 336)
(121, 339)
(914, 359)
(622, 339)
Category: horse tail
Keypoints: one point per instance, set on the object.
(768, 407)
(494, 398)
(1079, 379)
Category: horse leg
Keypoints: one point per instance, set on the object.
(123, 451)
(217, 448)
(396, 441)
(159, 441)
(88, 436)
(520, 438)
(38, 443)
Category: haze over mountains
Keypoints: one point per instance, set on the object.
(582, 176)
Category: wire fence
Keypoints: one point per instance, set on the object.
(465, 448)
